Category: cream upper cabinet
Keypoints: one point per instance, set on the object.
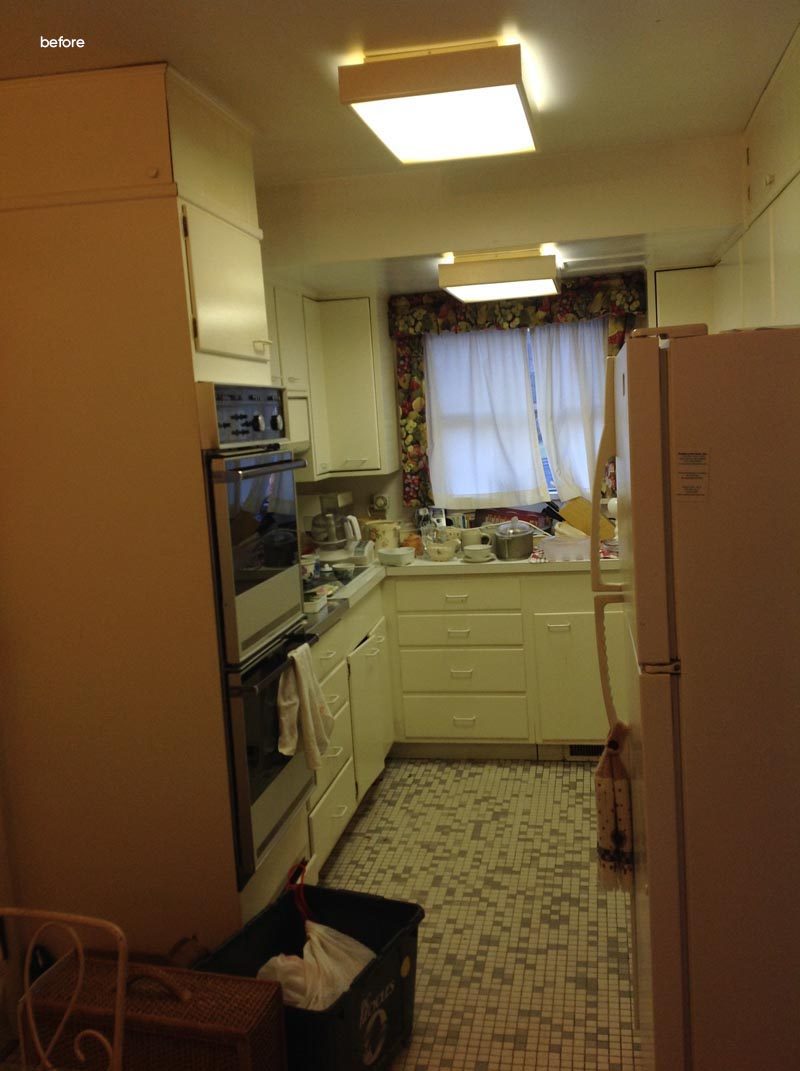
(786, 254)
(290, 329)
(349, 384)
(226, 287)
(757, 284)
(100, 132)
(772, 136)
(319, 455)
(351, 389)
(212, 156)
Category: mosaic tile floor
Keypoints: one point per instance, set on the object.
(523, 965)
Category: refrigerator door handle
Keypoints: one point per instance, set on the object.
(607, 448)
(600, 604)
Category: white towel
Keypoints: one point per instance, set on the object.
(302, 709)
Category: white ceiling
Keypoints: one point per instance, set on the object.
(613, 73)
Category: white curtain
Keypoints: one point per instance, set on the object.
(482, 444)
(569, 371)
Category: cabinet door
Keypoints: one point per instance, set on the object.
(570, 700)
(319, 458)
(226, 287)
(378, 637)
(349, 385)
(369, 688)
(291, 333)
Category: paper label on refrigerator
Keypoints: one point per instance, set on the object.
(692, 474)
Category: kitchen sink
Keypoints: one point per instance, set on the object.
(365, 577)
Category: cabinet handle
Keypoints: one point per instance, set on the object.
(560, 628)
(333, 753)
(332, 699)
(461, 672)
(456, 598)
(260, 344)
(459, 631)
(340, 812)
(464, 719)
(372, 654)
(356, 460)
(294, 379)
(379, 639)
(327, 656)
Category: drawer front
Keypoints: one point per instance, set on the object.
(328, 651)
(335, 688)
(459, 593)
(329, 818)
(466, 717)
(474, 669)
(459, 630)
(340, 749)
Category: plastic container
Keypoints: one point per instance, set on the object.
(367, 1024)
(565, 550)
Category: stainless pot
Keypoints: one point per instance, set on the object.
(513, 541)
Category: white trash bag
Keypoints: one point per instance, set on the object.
(329, 964)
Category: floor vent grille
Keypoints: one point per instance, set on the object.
(577, 751)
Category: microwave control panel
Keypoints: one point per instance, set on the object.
(232, 417)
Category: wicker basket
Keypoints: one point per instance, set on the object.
(175, 1019)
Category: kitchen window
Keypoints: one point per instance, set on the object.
(514, 417)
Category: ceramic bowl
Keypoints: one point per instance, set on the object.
(395, 555)
(441, 552)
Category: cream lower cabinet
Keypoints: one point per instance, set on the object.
(461, 661)
(570, 701)
(351, 661)
(500, 658)
(370, 689)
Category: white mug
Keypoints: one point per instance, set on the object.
(477, 552)
(471, 537)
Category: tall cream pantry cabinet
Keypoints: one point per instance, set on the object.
(114, 790)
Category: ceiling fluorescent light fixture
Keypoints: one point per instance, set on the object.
(499, 278)
(451, 103)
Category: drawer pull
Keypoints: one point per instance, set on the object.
(459, 631)
(327, 656)
(293, 379)
(464, 719)
(332, 700)
(372, 654)
(559, 628)
(456, 598)
(333, 753)
(340, 812)
(379, 639)
(461, 672)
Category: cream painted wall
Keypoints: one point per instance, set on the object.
(496, 203)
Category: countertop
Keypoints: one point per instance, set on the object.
(458, 567)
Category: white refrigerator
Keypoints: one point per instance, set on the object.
(706, 431)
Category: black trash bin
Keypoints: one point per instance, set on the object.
(367, 1024)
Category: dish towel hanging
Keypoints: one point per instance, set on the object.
(303, 709)
(612, 791)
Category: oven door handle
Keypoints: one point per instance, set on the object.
(237, 690)
(237, 475)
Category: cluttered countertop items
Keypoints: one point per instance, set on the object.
(345, 556)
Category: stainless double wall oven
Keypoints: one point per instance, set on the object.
(253, 517)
